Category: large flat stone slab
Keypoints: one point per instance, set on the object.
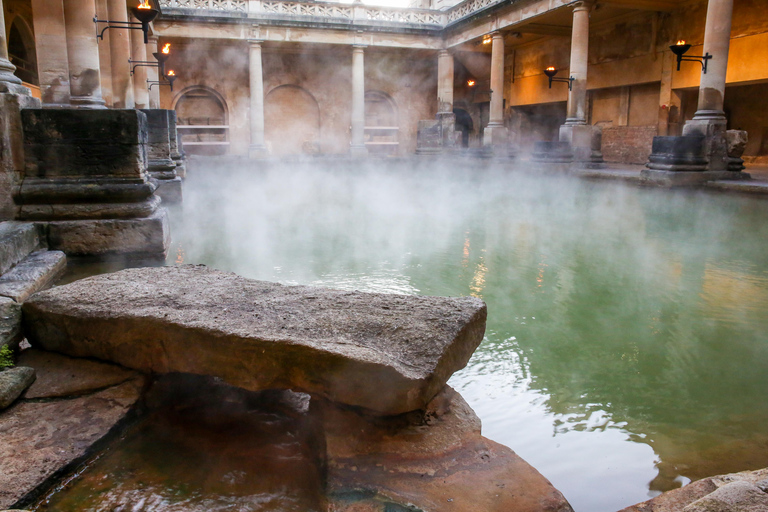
(387, 353)
(40, 440)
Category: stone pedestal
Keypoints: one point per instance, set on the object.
(436, 136)
(585, 141)
(13, 98)
(84, 182)
(160, 165)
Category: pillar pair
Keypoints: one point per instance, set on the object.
(257, 146)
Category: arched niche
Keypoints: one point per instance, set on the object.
(203, 120)
(21, 50)
(381, 123)
(291, 121)
(463, 125)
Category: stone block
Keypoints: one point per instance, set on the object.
(36, 272)
(139, 236)
(739, 496)
(10, 322)
(17, 240)
(556, 152)
(72, 143)
(158, 144)
(678, 154)
(387, 353)
(12, 100)
(737, 143)
(128, 210)
(429, 138)
(13, 382)
(170, 190)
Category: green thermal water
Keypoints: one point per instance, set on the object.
(627, 342)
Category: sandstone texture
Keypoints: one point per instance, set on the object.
(434, 460)
(736, 492)
(387, 353)
(13, 382)
(41, 440)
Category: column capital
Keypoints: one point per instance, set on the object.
(255, 43)
(359, 47)
(152, 39)
(583, 5)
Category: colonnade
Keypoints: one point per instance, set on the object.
(68, 56)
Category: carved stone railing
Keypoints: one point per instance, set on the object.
(316, 9)
(207, 5)
(430, 18)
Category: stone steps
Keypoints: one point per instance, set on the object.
(25, 268)
(34, 273)
(17, 240)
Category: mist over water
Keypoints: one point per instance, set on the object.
(627, 342)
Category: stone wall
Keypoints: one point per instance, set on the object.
(628, 144)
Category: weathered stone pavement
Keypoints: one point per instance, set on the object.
(387, 353)
(74, 406)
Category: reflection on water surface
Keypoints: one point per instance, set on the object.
(627, 341)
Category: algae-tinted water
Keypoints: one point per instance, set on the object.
(627, 341)
(203, 448)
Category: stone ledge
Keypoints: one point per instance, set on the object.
(36, 272)
(17, 240)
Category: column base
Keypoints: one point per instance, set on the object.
(495, 134)
(586, 143)
(676, 178)
(257, 151)
(711, 126)
(145, 236)
(169, 190)
(357, 150)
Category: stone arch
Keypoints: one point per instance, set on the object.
(381, 123)
(21, 50)
(464, 125)
(380, 109)
(291, 121)
(200, 112)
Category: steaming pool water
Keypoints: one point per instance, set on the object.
(626, 350)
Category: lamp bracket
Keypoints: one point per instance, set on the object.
(569, 81)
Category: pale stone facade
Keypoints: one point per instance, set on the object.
(281, 77)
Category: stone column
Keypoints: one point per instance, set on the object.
(444, 82)
(83, 54)
(257, 148)
(357, 146)
(51, 43)
(152, 72)
(710, 120)
(495, 133)
(120, 52)
(584, 140)
(577, 97)
(8, 81)
(139, 52)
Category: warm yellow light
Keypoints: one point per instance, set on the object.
(171, 73)
(144, 4)
(550, 68)
(487, 40)
(681, 42)
(167, 48)
(471, 83)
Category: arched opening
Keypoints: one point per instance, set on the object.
(381, 123)
(291, 121)
(464, 125)
(21, 51)
(202, 121)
